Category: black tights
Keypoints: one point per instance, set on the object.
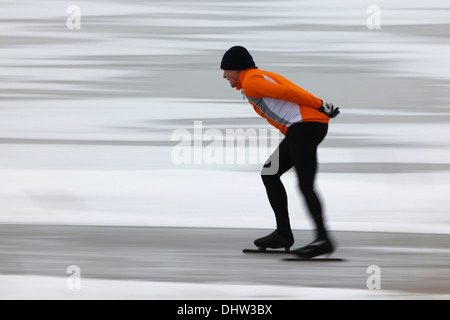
(299, 150)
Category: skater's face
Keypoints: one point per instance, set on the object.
(232, 76)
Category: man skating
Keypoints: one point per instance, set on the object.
(303, 119)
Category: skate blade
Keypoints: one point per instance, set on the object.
(316, 259)
(267, 251)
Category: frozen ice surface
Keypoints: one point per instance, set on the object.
(30, 287)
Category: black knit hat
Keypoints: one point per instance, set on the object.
(237, 58)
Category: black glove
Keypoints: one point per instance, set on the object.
(329, 109)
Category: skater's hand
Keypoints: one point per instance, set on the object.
(329, 109)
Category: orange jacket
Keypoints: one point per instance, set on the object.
(278, 100)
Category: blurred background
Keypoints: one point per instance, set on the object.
(91, 93)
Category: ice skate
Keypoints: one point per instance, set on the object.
(274, 241)
(316, 248)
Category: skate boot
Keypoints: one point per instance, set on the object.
(316, 248)
(274, 241)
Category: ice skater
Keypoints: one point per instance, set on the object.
(303, 119)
